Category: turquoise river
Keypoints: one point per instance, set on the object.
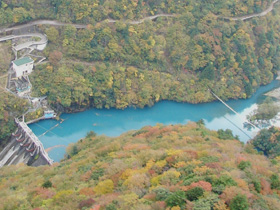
(113, 122)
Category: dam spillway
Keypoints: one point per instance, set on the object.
(24, 147)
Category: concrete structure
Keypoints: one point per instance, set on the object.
(24, 147)
(39, 45)
(49, 114)
(23, 66)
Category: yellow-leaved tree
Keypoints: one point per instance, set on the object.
(104, 187)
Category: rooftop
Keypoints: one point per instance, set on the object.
(23, 61)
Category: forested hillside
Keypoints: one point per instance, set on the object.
(10, 105)
(268, 142)
(161, 167)
(171, 58)
(91, 11)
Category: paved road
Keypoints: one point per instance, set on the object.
(246, 17)
(40, 22)
(135, 22)
(57, 23)
(43, 40)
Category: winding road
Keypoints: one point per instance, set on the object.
(246, 17)
(134, 22)
(43, 40)
(57, 23)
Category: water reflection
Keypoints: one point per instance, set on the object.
(115, 122)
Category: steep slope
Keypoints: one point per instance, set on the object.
(183, 167)
(170, 58)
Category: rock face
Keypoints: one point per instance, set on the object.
(24, 147)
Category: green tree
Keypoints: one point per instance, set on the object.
(257, 185)
(239, 202)
(244, 164)
(275, 182)
(268, 142)
(161, 193)
(226, 134)
(52, 34)
(176, 199)
(208, 72)
(47, 184)
(194, 193)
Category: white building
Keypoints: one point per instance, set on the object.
(23, 66)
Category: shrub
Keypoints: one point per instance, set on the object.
(111, 206)
(226, 134)
(244, 164)
(209, 159)
(218, 189)
(97, 173)
(194, 194)
(206, 203)
(225, 180)
(86, 203)
(257, 185)
(90, 134)
(139, 132)
(275, 183)
(200, 122)
(260, 204)
(161, 193)
(74, 150)
(47, 184)
(239, 202)
(274, 162)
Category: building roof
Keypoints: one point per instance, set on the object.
(23, 61)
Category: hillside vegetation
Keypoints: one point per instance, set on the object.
(161, 167)
(10, 105)
(268, 142)
(91, 11)
(170, 58)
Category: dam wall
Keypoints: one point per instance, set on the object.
(24, 147)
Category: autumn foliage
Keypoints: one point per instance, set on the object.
(164, 169)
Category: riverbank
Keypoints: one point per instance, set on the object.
(140, 64)
(114, 122)
(274, 93)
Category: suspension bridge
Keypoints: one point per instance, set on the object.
(230, 108)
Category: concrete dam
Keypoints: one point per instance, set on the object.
(24, 147)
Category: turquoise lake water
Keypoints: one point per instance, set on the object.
(114, 122)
